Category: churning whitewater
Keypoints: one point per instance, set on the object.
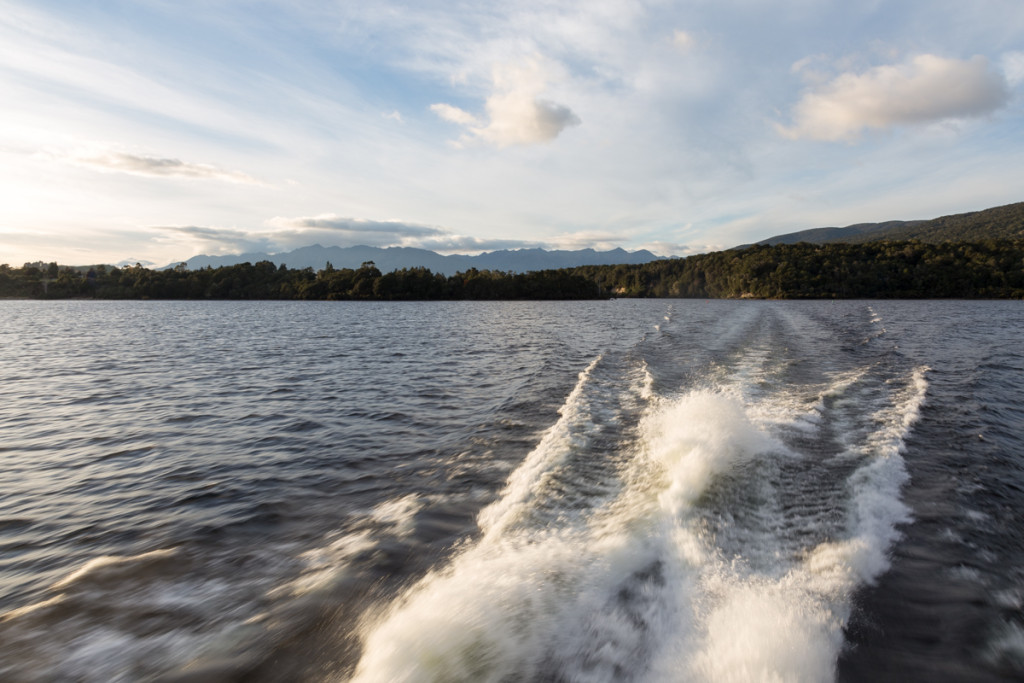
(710, 532)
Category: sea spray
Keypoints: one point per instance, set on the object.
(696, 438)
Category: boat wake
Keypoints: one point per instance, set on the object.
(714, 533)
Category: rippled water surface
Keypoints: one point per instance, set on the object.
(511, 491)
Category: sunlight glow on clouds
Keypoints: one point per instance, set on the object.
(357, 228)
(927, 88)
(220, 240)
(517, 115)
(606, 124)
(329, 230)
(156, 167)
(334, 230)
(683, 41)
(454, 114)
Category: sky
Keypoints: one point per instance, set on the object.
(151, 131)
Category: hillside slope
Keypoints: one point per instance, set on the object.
(1001, 222)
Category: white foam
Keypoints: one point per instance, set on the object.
(481, 619)
(647, 382)
(111, 566)
(771, 631)
(1006, 650)
(400, 513)
(695, 438)
(642, 588)
(530, 477)
(323, 565)
(878, 508)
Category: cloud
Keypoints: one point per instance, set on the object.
(1013, 67)
(454, 114)
(157, 167)
(683, 41)
(663, 248)
(466, 244)
(357, 228)
(925, 89)
(221, 240)
(516, 113)
(333, 230)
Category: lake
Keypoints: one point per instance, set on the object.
(631, 490)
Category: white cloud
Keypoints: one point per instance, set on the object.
(927, 88)
(683, 41)
(203, 239)
(584, 239)
(516, 113)
(358, 228)
(1013, 68)
(334, 230)
(159, 167)
(454, 114)
(467, 244)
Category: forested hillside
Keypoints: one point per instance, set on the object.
(872, 270)
(999, 223)
(993, 269)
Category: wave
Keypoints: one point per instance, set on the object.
(108, 568)
(727, 549)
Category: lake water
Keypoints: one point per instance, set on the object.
(642, 490)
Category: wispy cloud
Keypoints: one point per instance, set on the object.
(466, 244)
(332, 230)
(1013, 68)
(454, 114)
(160, 167)
(925, 89)
(219, 240)
(516, 112)
(357, 228)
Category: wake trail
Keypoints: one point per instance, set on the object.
(712, 533)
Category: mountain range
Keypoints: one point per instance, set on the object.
(1001, 222)
(388, 259)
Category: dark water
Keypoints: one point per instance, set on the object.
(599, 491)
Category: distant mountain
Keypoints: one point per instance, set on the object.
(1001, 222)
(394, 258)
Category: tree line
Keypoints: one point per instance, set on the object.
(872, 270)
(265, 280)
(890, 269)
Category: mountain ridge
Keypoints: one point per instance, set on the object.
(1000, 222)
(395, 258)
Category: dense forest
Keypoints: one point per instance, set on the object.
(904, 269)
(1001, 222)
(890, 270)
(998, 223)
(264, 280)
